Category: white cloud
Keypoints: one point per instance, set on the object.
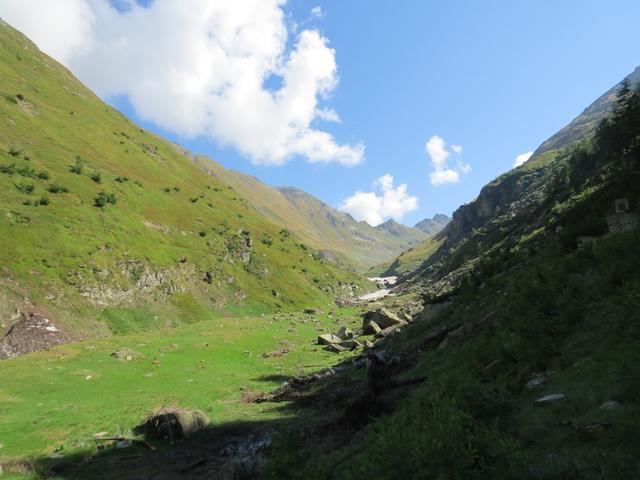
(62, 30)
(520, 159)
(436, 148)
(374, 208)
(328, 115)
(317, 12)
(199, 68)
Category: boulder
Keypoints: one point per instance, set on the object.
(611, 405)
(382, 317)
(125, 354)
(372, 329)
(345, 333)
(351, 344)
(554, 397)
(336, 348)
(328, 339)
(535, 382)
(173, 423)
(388, 331)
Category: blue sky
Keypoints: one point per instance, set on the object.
(495, 77)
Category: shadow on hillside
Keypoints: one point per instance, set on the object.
(219, 451)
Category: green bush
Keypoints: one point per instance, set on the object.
(96, 177)
(9, 169)
(27, 188)
(122, 179)
(14, 151)
(105, 198)
(77, 167)
(57, 188)
(27, 172)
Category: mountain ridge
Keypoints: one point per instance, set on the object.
(357, 245)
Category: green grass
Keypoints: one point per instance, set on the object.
(54, 401)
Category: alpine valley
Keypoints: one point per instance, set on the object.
(164, 317)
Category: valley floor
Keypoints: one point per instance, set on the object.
(52, 403)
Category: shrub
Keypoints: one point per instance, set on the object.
(43, 175)
(57, 188)
(122, 179)
(194, 199)
(104, 198)
(20, 96)
(27, 172)
(44, 200)
(27, 188)
(14, 151)
(78, 166)
(8, 169)
(266, 239)
(202, 233)
(96, 177)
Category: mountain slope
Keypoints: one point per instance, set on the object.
(587, 121)
(499, 209)
(433, 225)
(355, 243)
(105, 227)
(524, 361)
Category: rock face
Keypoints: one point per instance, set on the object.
(31, 334)
(382, 318)
(327, 256)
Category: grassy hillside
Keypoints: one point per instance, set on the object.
(356, 244)
(105, 227)
(408, 261)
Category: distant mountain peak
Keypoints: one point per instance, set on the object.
(433, 225)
